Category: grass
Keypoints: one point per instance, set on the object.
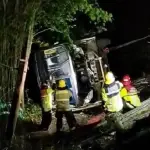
(31, 112)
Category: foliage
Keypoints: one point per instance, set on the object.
(15, 19)
(59, 14)
(31, 112)
(4, 107)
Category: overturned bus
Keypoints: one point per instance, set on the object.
(83, 72)
(54, 64)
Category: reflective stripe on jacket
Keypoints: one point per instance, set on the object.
(130, 97)
(46, 99)
(111, 97)
(62, 100)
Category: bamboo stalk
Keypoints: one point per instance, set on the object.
(20, 85)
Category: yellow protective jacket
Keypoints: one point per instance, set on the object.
(111, 97)
(130, 97)
(62, 98)
(46, 99)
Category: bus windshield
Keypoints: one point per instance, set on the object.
(57, 57)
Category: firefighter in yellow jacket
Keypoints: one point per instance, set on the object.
(111, 94)
(62, 98)
(46, 102)
(129, 93)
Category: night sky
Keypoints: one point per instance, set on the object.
(131, 21)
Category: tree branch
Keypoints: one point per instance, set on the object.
(52, 29)
(129, 43)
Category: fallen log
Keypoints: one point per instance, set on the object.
(74, 109)
(99, 103)
(127, 121)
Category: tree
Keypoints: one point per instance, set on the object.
(55, 14)
(28, 12)
(21, 16)
(59, 15)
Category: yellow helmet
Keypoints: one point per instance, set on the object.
(109, 78)
(62, 84)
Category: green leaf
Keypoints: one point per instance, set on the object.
(59, 14)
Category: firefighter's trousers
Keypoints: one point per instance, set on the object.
(46, 119)
(69, 117)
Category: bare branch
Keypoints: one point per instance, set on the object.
(52, 29)
(129, 43)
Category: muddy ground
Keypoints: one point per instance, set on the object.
(24, 128)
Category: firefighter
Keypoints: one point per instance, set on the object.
(129, 93)
(46, 102)
(111, 94)
(62, 98)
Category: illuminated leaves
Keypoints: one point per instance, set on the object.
(59, 13)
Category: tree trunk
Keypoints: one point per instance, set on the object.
(132, 118)
(19, 90)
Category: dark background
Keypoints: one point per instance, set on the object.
(131, 20)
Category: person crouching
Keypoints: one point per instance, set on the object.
(129, 94)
